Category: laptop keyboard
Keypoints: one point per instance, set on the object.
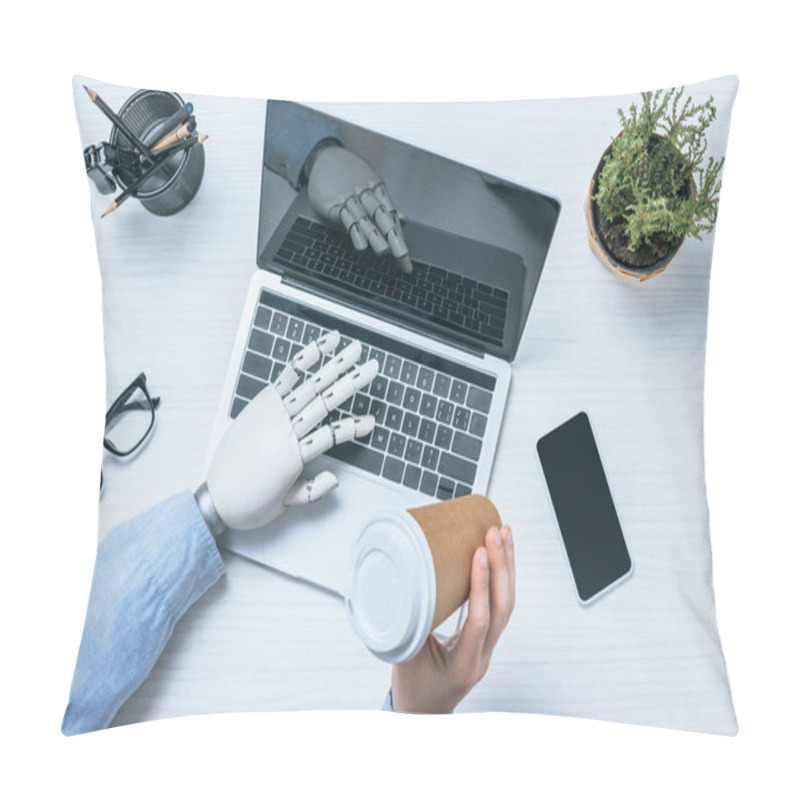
(446, 299)
(430, 413)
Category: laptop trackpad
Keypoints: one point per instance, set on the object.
(313, 542)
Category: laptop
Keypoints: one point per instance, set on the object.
(443, 337)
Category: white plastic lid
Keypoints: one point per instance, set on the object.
(391, 591)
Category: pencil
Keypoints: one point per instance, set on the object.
(174, 137)
(98, 101)
(121, 198)
(176, 119)
(181, 145)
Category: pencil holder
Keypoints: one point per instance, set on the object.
(172, 187)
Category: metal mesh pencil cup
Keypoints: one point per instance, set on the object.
(172, 187)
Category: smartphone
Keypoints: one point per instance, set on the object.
(590, 528)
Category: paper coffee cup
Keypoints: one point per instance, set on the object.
(410, 570)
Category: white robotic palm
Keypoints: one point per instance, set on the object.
(255, 471)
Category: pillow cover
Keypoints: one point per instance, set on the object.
(579, 232)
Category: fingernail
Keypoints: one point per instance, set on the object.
(483, 558)
(496, 536)
(510, 539)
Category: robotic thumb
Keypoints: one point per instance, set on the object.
(309, 490)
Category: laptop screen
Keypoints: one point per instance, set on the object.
(477, 243)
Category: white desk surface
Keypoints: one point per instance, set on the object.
(631, 355)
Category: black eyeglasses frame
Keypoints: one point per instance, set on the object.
(123, 404)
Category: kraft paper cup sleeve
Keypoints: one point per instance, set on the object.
(455, 529)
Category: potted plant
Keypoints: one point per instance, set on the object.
(653, 186)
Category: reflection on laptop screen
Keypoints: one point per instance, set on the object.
(477, 243)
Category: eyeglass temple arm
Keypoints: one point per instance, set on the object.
(154, 401)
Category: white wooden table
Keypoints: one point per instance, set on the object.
(631, 355)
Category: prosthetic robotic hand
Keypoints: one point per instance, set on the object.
(346, 190)
(255, 472)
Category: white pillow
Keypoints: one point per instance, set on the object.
(631, 354)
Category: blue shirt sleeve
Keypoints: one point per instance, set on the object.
(293, 131)
(147, 573)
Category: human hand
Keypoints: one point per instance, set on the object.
(346, 190)
(438, 678)
(254, 472)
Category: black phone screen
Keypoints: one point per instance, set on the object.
(583, 506)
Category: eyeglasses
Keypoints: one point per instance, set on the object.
(130, 419)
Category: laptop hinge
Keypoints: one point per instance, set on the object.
(320, 290)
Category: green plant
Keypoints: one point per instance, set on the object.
(654, 188)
